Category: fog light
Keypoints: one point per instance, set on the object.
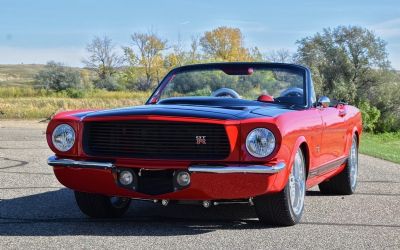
(183, 179)
(126, 177)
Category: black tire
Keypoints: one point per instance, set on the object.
(276, 209)
(100, 206)
(341, 184)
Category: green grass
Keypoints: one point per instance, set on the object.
(384, 146)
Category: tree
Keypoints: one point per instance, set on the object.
(386, 97)
(177, 57)
(57, 77)
(255, 54)
(109, 83)
(279, 56)
(194, 54)
(102, 57)
(351, 63)
(148, 57)
(224, 44)
(344, 61)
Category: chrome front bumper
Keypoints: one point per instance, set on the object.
(250, 169)
(54, 161)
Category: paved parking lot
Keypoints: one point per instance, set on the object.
(37, 212)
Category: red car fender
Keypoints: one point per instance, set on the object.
(354, 129)
(350, 139)
(283, 177)
(74, 123)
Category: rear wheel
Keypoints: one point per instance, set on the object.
(286, 207)
(344, 183)
(101, 206)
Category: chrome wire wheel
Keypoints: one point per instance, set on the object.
(297, 185)
(345, 182)
(353, 164)
(285, 208)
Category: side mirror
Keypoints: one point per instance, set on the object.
(324, 102)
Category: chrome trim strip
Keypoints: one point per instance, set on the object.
(251, 169)
(327, 167)
(54, 161)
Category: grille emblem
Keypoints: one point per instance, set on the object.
(201, 140)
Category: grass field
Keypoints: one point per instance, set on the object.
(29, 103)
(384, 146)
(20, 100)
(45, 107)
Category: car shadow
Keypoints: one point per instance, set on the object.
(316, 193)
(55, 213)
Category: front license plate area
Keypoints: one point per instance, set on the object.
(155, 182)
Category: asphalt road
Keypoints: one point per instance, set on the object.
(37, 212)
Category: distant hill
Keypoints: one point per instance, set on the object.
(19, 74)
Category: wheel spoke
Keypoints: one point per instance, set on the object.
(297, 184)
(353, 164)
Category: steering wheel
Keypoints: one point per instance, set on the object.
(292, 92)
(226, 92)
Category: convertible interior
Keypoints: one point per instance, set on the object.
(229, 97)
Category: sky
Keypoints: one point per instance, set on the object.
(38, 31)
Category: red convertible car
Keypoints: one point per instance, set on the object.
(212, 134)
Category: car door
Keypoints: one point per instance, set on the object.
(333, 141)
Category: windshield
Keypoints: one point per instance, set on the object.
(266, 84)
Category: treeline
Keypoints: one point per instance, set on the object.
(348, 63)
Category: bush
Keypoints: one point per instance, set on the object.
(57, 77)
(388, 122)
(75, 93)
(370, 116)
(109, 83)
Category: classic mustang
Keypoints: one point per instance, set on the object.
(212, 134)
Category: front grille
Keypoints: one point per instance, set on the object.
(155, 140)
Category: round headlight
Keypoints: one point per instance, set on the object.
(63, 137)
(260, 142)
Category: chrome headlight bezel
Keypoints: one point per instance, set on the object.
(260, 142)
(63, 137)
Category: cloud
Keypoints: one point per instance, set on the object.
(388, 28)
(17, 55)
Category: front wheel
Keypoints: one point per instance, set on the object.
(101, 206)
(286, 207)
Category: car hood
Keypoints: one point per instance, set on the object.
(212, 112)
